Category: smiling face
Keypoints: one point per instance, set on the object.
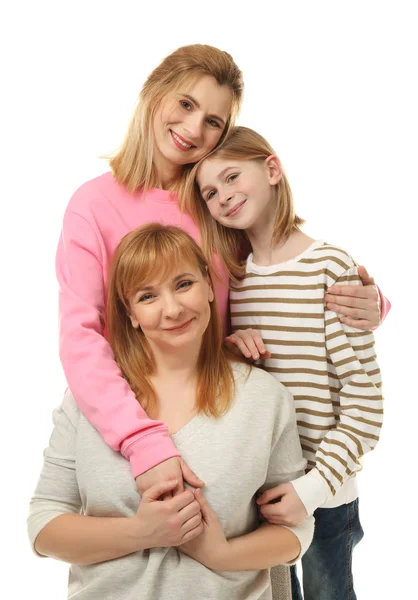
(188, 126)
(240, 193)
(173, 314)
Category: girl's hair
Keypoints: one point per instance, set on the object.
(132, 165)
(232, 245)
(155, 250)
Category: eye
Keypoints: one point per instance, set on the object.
(185, 284)
(186, 105)
(145, 298)
(232, 177)
(213, 123)
(210, 195)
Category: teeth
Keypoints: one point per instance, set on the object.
(176, 137)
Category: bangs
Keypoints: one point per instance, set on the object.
(152, 255)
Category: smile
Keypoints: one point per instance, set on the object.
(180, 142)
(235, 210)
(181, 327)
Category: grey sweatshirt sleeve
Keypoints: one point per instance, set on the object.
(286, 459)
(57, 490)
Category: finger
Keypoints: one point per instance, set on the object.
(270, 495)
(158, 490)
(189, 511)
(236, 341)
(256, 338)
(192, 533)
(182, 500)
(204, 505)
(190, 476)
(363, 324)
(365, 277)
(191, 524)
(347, 311)
(271, 511)
(358, 291)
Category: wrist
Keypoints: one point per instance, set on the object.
(312, 490)
(221, 557)
(136, 534)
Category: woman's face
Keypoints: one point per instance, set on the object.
(173, 314)
(188, 126)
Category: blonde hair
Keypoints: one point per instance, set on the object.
(232, 245)
(132, 165)
(151, 250)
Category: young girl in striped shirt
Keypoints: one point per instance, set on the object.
(278, 305)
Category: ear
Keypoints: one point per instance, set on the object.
(135, 323)
(274, 167)
(211, 293)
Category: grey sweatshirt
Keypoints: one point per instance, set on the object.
(253, 447)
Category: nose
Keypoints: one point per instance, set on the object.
(224, 197)
(194, 126)
(172, 307)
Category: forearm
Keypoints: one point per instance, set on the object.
(266, 547)
(84, 540)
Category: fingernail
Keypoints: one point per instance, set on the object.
(256, 356)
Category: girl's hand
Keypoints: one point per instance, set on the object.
(359, 305)
(211, 546)
(288, 510)
(247, 342)
(167, 522)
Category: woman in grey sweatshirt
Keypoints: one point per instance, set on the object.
(234, 425)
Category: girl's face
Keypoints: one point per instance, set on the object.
(240, 194)
(175, 313)
(188, 126)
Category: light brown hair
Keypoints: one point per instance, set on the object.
(232, 245)
(150, 251)
(132, 165)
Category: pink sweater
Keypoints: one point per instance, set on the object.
(99, 214)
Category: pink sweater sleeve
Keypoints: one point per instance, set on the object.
(385, 306)
(93, 376)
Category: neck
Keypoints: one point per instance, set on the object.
(174, 365)
(166, 172)
(266, 252)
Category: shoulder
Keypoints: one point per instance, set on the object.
(93, 191)
(68, 412)
(334, 255)
(260, 388)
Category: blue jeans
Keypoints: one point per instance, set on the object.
(327, 572)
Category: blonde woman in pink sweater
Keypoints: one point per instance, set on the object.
(186, 107)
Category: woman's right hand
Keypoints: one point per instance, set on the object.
(169, 522)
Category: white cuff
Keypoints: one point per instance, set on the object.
(312, 490)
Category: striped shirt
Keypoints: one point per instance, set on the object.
(329, 367)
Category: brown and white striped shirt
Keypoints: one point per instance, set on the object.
(330, 368)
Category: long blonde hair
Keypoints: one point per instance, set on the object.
(232, 244)
(132, 165)
(151, 250)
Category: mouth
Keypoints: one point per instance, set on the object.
(180, 142)
(181, 327)
(235, 210)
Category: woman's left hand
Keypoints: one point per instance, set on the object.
(359, 305)
(211, 545)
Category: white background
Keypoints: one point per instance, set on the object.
(332, 86)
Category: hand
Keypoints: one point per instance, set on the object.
(288, 511)
(360, 305)
(211, 545)
(173, 468)
(247, 342)
(167, 522)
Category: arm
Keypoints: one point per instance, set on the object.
(353, 365)
(362, 307)
(94, 378)
(269, 545)
(57, 529)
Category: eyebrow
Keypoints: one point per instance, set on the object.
(147, 288)
(198, 106)
(219, 176)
